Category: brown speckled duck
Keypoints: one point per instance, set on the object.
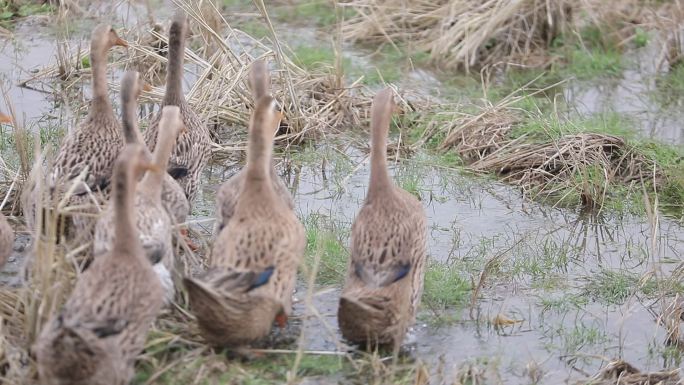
(254, 260)
(96, 337)
(227, 195)
(94, 143)
(6, 240)
(388, 250)
(153, 222)
(173, 196)
(193, 147)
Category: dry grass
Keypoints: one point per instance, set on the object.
(460, 33)
(621, 372)
(217, 59)
(584, 164)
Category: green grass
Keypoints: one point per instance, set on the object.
(10, 10)
(545, 126)
(564, 303)
(254, 28)
(593, 63)
(670, 86)
(581, 336)
(316, 57)
(319, 12)
(326, 240)
(612, 287)
(446, 286)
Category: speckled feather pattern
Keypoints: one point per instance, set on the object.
(192, 149)
(388, 250)
(95, 143)
(174, 200)
(267, 235)
(102, 328)
(385, 233)
(264, 234)
(116, 292)
(227, 196)
(153, 226)
(6, 240)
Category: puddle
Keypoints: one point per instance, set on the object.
(475, 221)
(551, 257)
(633, 95)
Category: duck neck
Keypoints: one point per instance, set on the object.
(124, 196)
(131, 131)
(98, 63)
(380, 182)
(174, 70)
(152, 182)
(259, 163)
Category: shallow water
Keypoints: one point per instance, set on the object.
(550, 257)
(476, 212)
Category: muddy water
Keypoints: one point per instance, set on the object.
(562, 343)
(548, 255)
(633, 95)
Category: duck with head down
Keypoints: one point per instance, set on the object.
(254, 261)
(388, 250)
(96, 337)
(93, 145)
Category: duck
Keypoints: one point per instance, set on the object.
(388, 253)
(94, 144)
(228, 192)
(173, 196)
(6, 240)
(193, 147)
(102, 327)
(254, 259)
(153, 222)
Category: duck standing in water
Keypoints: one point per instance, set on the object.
(388, 250)
(254, 261)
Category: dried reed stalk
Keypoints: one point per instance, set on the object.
(461, 33)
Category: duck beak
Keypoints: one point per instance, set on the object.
(121, 42)
(146, 87)
(5, 119)
(152, 167)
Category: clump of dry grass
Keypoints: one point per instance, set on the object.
(581, 165)
(621, 372)
(460, 33)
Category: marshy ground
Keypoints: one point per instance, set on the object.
(552, 175)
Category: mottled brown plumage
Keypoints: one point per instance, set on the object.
(388, 251)
(153, 222)
(227, 194)
(254, 260)
(94, 144)
(96, 337)
(6, 240)
(193, 147)
(173, 195)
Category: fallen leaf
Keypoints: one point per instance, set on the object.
(502, 320)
